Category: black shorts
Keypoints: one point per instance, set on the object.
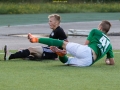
(48, 54)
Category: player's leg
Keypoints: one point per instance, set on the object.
(48, 54)
(63, 59)
(82, 55)
(61, 53)
(20, 54)
(71, 61)
(50, 42)
(36, 51)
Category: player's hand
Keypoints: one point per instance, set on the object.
(109, 61)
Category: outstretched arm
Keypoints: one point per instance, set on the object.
(109, 61)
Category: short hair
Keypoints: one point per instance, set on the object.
(105, 26)
(56, 16)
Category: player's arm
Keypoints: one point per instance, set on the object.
(110, 57)
(109, 61)
(89, 38)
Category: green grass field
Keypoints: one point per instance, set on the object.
(21, 74)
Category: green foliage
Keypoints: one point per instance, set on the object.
(21, 74)
(70, 1)
(30, 8)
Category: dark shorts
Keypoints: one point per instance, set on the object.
(48, 54)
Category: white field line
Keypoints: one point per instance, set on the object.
(1, 53)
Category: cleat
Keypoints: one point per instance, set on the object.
(59, 52)
(6, 53)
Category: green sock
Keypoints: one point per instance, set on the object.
(63, 59)
(51, 42)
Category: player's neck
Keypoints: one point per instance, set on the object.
(55, 27)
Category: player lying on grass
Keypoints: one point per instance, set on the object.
(96, 46)
(40, 52)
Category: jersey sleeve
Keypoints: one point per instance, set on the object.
(110, 53)
(92, 32)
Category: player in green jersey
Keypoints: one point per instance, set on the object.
(96, 46)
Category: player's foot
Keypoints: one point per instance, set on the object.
(59, 52)
(30, 36)
(6, 53)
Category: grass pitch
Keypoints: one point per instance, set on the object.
(21, 74)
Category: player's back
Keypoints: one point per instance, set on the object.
(99, 42)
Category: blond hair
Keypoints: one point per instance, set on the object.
(56, 16)
(105, 26)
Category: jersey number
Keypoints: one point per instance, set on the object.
(104, 43)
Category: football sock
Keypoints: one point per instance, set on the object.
(51, 42)
(63, 59)
(20, 54)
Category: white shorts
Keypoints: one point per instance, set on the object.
(82, 55)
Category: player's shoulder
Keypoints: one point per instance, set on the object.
(95, 30)
(59, 28)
